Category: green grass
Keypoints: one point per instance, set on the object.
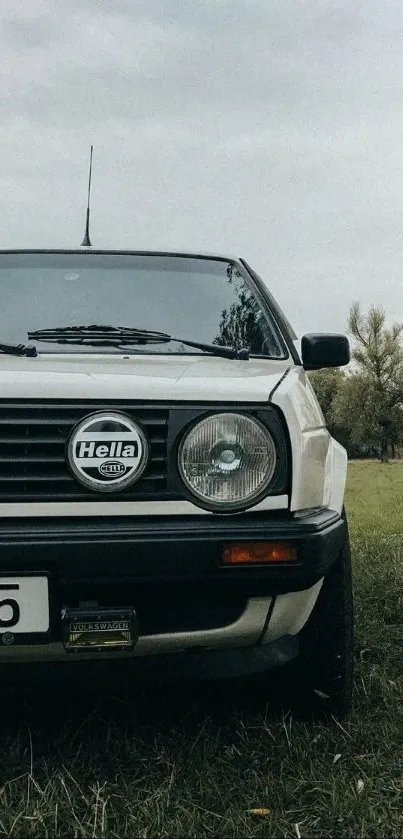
(169, 764)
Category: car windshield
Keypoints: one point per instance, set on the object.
(199, 299)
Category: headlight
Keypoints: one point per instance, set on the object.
(227, 461)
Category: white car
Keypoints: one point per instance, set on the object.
(169, 492)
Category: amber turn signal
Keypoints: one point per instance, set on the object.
(254, 553)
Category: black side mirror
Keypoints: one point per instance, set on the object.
(324, 351)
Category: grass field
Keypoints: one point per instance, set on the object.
(174, 765)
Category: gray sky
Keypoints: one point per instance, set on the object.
(270, 130)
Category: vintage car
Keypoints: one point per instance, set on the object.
(169, 492)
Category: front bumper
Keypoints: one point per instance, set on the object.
(171, 572)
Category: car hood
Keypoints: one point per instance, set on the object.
(145, 377)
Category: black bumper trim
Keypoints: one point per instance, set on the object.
(183, 549)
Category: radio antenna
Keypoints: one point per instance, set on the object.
(86, 243)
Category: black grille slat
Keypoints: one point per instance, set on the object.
(32, 458)
(35, 421)
(42, 458)
(36, 417)
(33, 439)
(54, 476)
(10, 440)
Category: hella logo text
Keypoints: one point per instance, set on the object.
(110, 449)
(113, 468)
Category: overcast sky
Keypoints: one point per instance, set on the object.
(269, 130)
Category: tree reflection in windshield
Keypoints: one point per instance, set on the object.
(243, 323)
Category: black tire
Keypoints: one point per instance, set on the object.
(320, 680)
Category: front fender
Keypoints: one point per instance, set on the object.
(335, 476)
(319, 463)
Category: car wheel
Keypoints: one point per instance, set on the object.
(320, 680)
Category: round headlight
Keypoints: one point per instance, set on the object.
(227, 461)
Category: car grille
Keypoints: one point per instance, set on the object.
(33, 438)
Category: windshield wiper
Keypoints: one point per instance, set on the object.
(118, 336)
(18, 349)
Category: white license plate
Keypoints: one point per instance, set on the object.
(24, 604)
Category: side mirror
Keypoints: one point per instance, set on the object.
(319, 351)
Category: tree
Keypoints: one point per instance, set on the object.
(327, 385)
(370, 402)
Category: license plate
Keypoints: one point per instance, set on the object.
(24, 605)
(98, 629)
